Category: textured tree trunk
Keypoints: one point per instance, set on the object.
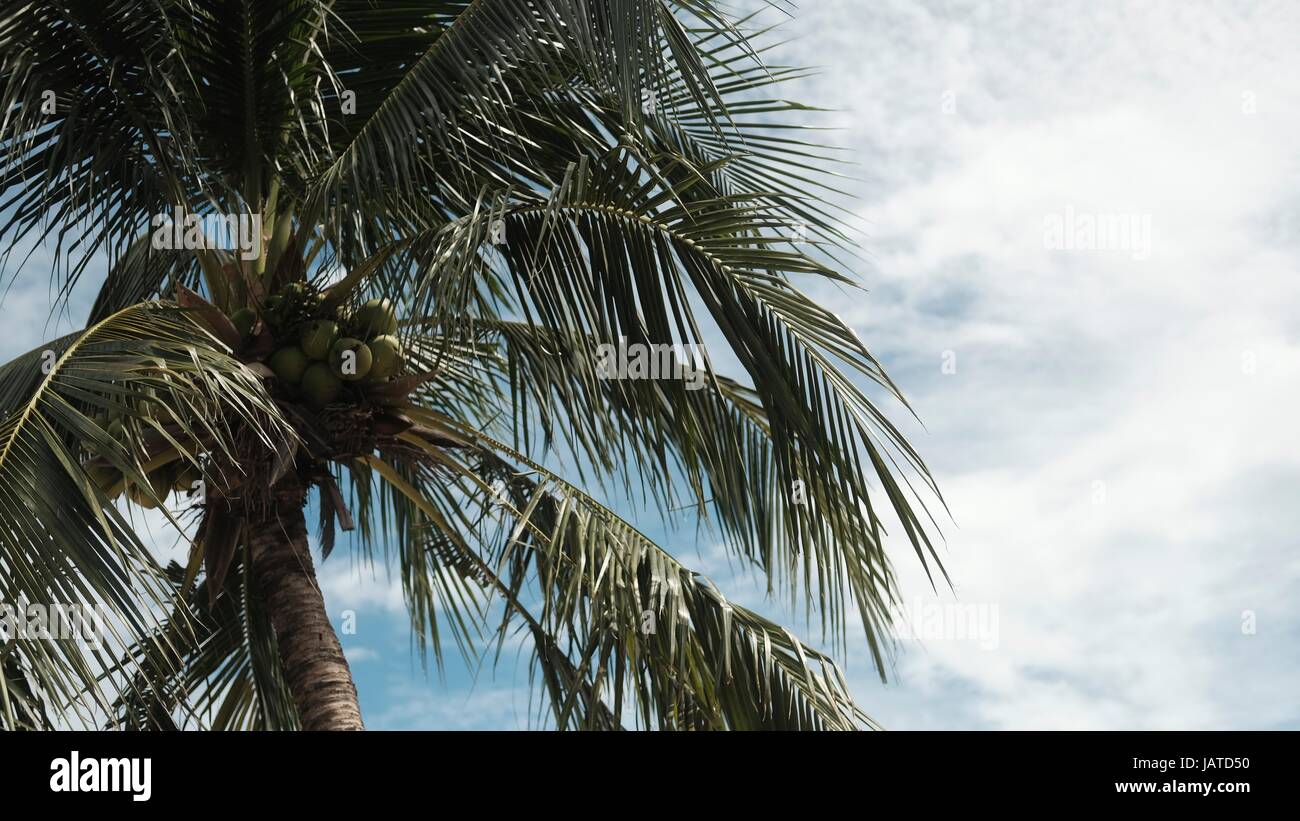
(310, 654)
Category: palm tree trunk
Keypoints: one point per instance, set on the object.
(310, 654)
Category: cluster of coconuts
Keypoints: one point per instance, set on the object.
(318, 349)
(179, 475)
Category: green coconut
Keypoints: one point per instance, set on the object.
(160, 484)
(319, 385)
(104, 476)
(289, 364)
(350, 368)
(243, 320)
(376, 318)
(116, 429)
(139, 496)
(318, 337)
(386, 351)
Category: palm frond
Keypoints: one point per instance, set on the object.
(212, 665)
(646, 639)
(609, 258)
(178, 395)
(140, 275)
(94, 129)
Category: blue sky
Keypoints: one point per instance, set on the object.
(1115, 436)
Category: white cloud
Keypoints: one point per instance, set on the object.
(411, 706)
(356, 653)
(1084, 367)
(351, 584)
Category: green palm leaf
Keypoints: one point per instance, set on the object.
(63, 542)
(646, 634)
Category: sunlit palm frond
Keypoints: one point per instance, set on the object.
(610, 258)
(176, 395)
(621, 631)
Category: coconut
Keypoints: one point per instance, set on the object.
(289, 364)
(386, 351)
(139, 496)
(318, 337)
(376, 318)
(160, 484)
(104, 476)
(319, 385)
(354, 367)
(243, 320)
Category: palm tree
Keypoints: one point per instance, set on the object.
(455, 205)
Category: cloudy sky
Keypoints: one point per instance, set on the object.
(1118, 441)
(1113, 428)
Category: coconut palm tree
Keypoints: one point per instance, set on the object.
(453, 210)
